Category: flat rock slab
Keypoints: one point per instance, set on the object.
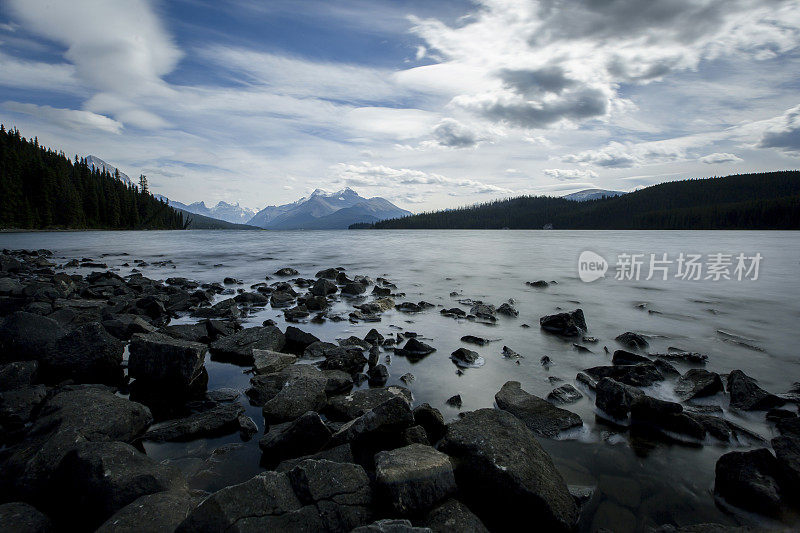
(238, 347)
(350, 406)
(163, 511)
(160, 359)
(267, 361)
(541, 417)
(219, 420)
(413, 478)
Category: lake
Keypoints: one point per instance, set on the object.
(748, 324)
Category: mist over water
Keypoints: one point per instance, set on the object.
(670, 482)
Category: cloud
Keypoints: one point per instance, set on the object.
(785, 135)
(716, 158)
(370, 175)
(569, 174)
(532, 82)
(453, 134)
(39, 75)
(66, 118)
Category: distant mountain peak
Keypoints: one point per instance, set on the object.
(95, 162)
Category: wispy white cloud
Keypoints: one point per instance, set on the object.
(67, 118)
(720, 157)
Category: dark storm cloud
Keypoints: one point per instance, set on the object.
(786, 136)
(453, 134)
(582, 104)
(550, 79)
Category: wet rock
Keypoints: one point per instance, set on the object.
(238, 347)
(124, 326)
(268, 362)
(18, 374)
(485, 312)
(454, 312)
(323, 287)
(20, 517)
(775, 414)
(26, 336)
(300, 391)
(297, 340)
(374, 337)
(280, 299)
(338, 454)
(632, 340)
(666, 417)
(414, 350)
(787, 451)
(508, 310)
(615, 398)
(87, 354)
(539, 415)
(350, 406)
(387, 419)
(296, 314)
(687, 357)
(622, 357)
(355, 341)
(18, 407)
(453, 516)
(466, 358)
(408, 307)
(509, 353)
(407, 378)
(666, 368)
(414, 478)
(391, 525)
(286, 271)
(220, 420)
(750, 480)
(100, 478)
(455, 401)
(472, 339)
(354, 289)
(565, 394)
(502, 470)
(747, 395)
(571, 324)
(539, 284)
(163, 361)
(378, 375)
(431, 420)
(305, 435)
(162, 511)
(415, 435)
(328, 273)
(640, 375)
(698, 383)
(339, 358)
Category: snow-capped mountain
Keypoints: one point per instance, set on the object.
(96, 162)
(591, 194)
(324, 210)
(222, 211)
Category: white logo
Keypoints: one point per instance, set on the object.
(591, 266)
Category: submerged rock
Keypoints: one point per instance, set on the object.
(414, 478)
(747, 395)
(465, 358)
(565, 394)
(698, 383)
(222, 419)
(666, 417)
(615, 398)
(570, 324)
(472, 339)
(541, 417)
(501, 469)
(622, 357)
(639, 375)
(632, 340)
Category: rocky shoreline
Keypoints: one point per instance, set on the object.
(93, 367)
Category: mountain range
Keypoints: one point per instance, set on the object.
(233, 213)
(95, 162)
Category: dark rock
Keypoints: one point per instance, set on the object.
(414, 478)
(541, 417)
(615, 398)
(355, 404)
(747, 395)
(667, 417)
(641, 375)
(338, 382)
(391, 525)
(26, 336)
(339, 358)
(87, 354)
(508, 310)
(222, 419)
(509, 353)
(787, 451)
(414, 350)
(415, 435)
(18, 406)
(305, 435)
(374, 337)
(238, 347)
(390, 417)
(472, 339)
(486, 312)
(571, 324)
(539, 284)
(269, 362)
(286, 271)
(162, 511)
(408, 307)
(501, 469)
(775, 414)
(323, 287)
(453, 516)
(622, 357)
(160, 360)
(100, 478)
(298, 340)
(378, 375)
(431, 420)
(328, 273)
(354, 289)
(455, 401)
(632, 340)
(338, 454)
(698, 383)
(564, 394)
(465, 358)
(295, 314)
(280, 299)
(20, 517)
(750, 480)
(18, 374)
(687, 357)
(124, 326)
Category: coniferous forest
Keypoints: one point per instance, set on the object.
(769, 200)
(43, 189)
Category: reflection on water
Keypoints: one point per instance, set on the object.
(642, 482)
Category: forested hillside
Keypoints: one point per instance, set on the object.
(43, 189)
(769, 200)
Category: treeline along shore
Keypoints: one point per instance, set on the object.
(761, 201)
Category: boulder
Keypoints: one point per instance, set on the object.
(624, 357)
(347, 360)
(391, 525)
(787, 451)
(221, 419)
(354, 288)
(666, 417)
(632, 340)
(570, 324)
(483, 311)
(565, 394)
(323, 287)
(328, 273)
(615, 399)
(18, 406)
(160, 360)
(698, 383)
(540, 416)
(286, 271)
(350, 406)
(20, 517)
(378, 375)
(87, 354)
(465, 358)
(301, 390)
(374, 337)
(639, 375)
(124, 326)
(18, 374)
(338, 454)
(159, 512)
(503, 471)
(386, 420)
(431, 420)
(748, 396)
(750, 480)
(452, 516)
(508, 310)
(412, 479)
(414, 350)
(25, 336)
(100, 478)
(298, 340)
(238, 347)
(268, 362)
(305, 435)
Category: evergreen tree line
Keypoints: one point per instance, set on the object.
(44, 189)
(769, 200)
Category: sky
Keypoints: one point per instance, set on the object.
(428, 104)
